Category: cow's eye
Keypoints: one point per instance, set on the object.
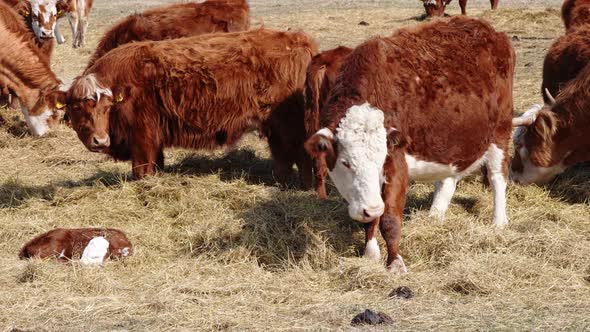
(346, 164)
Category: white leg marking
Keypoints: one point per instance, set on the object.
(95, 251)
(498, 180)
(443, 193)
(58, 36)
(372, 250)
(397, 266)
(37, 123)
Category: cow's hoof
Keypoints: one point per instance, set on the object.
(398, 267)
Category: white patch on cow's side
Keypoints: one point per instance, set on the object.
(397, 266)
(92, 88)
(495, 166)
(428, 171)
(358, 172)
(532, 173)
(37, 123)
(95, 251)
(372, 250)
(443, 193)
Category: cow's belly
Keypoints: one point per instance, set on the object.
(428, 171)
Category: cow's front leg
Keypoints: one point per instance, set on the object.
(371, 246)
(394, 196)
(58, 36)
(144, 160)
(443, 193)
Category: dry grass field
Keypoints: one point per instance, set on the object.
(219, 246)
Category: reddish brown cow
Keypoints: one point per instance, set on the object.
(199, 92)
(437, 7)
(568, 55)
(321, 76)
(403, 108)
(175, 21)
(92, 245)
(24, 73)
(550, 139)
(575, 13)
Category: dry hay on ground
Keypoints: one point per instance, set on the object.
(219, 246)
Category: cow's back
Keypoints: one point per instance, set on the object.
(575, 13)
(568, 55)
(443, 84)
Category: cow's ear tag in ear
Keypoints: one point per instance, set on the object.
(59, 105)
(119, 98)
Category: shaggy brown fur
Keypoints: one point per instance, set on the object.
(437, 7)
(575, 13)
(428, 97)
(568, 55)
(24, 72)
(67, 244)
(559, 133)
(200, 92)
(321, 75)
(175, 21)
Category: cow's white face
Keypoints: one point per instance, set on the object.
(44, 17)
(360, 147)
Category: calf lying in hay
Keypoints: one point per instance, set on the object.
(92, 245)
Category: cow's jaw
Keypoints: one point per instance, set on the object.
(361, 141)
(532, 173)
(38, 124)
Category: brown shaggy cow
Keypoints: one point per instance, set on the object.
(552, 138)
(321, 76)
(437, 7)
(575, 13)
(92, 245)
(23, 71)
(175, 21)
(199, 92)
(402, 108)
(568, 55)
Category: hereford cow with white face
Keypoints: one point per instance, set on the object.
(403, 108)
(551, 138)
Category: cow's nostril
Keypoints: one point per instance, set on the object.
(366, 214)
(95, 141)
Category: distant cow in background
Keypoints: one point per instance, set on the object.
(78, 13)
(566, 58)
(24, 73)
(402, 108)
(321, 76)
(91, 245)
(199, 92)
(175, 21)
(575, 13)
(437, 7)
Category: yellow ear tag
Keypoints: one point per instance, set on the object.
(119, 98)
(27, 13)
(59, 105)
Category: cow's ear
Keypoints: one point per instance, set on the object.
(121, 93)
(396, 139)
(62, 7)
(56, 99)
(321, 145)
